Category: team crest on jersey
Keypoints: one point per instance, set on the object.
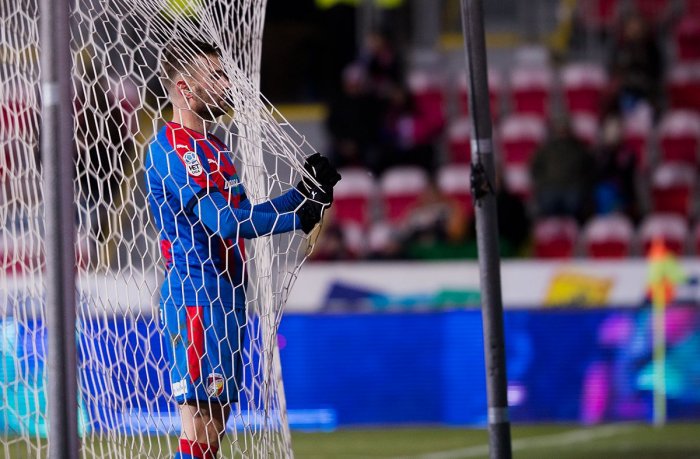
(215, 385)
(194, 167)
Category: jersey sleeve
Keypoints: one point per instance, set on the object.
(229, 222)
(286, 202)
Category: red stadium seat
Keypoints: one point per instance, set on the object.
(679, 135)
(598, 14)
(352, 197)
(495, 92)
(585, 127)
(428, 93)
(531, 88)
(688, 39)
(459, 141)
(696, 239)
(454, 181)
(518, 180)
(635, 136)
(555, 237)
(692, 8)
(683, 86)
(670, 228)
(608, 236)
(583, 85)
(672, 188)
(654, 11)
(520, 135)
(401, 187)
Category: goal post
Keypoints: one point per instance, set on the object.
(124, 404)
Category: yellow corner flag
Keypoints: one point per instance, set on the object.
(665, 273)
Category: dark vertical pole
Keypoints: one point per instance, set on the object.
(57, 154)
(483, 183)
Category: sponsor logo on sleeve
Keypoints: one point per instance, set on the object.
(180, 388)
(215, 385)
(194, 167)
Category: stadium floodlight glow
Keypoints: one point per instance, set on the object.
(483, 180)
(124, 405)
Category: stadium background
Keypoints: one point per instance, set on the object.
(383, 327)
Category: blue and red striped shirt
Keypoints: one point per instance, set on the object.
(201, 210)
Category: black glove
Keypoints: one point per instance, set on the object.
(310, 213)
(320, 168)
(324, 173)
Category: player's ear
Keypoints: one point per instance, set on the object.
(183, 88)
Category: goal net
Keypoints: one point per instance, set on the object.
(126, 407)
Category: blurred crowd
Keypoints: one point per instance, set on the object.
(595, 157)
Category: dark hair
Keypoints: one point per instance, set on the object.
(180, 53)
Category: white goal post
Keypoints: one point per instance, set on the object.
(124, 390)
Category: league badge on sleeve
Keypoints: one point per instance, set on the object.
(215, 385)
(194, 167)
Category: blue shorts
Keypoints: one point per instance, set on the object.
(205, 345)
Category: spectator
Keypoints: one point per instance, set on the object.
(636, 65)
(382, 64)
(562, 174)
(513, 221)
(353, 120)
(409, 132)
(616, 166)
(436, 227)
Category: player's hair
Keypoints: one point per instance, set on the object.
(180, 54)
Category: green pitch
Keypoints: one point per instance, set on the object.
(613, 441)
(617, 441)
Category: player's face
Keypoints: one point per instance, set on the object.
(209, 87)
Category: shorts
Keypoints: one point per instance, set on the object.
(205, 345)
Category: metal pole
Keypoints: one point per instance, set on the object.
(482, 181)
(57, 152)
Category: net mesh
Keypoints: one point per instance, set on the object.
(126, 403)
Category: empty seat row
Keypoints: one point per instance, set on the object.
(613, 236)
(360, 198)
(519, 136)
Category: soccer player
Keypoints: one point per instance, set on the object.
(201, 211)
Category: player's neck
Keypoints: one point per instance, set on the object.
(190, 120)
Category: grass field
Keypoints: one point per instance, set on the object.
(614, 441)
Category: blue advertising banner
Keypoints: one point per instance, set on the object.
(573, 365)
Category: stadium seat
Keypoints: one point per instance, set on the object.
(679, 134)
(401, 187)
(598, 15)
(608, 236)
(695, 239)
(583, 85)
(531, 89)
(585, 127)
(555, 237)
(635, 135)
(454, 181)
(654, 11)
(670, 228)
(687, 38)
(518, 180)
(692, 8)
(519, 136)
(672, 186)
(428, 93)
(495, 92)
(683, 86)
(459, 141)
(353, 197)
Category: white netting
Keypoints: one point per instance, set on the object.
(126, 406)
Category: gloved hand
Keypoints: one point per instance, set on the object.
(324, 173)
(310, 213)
